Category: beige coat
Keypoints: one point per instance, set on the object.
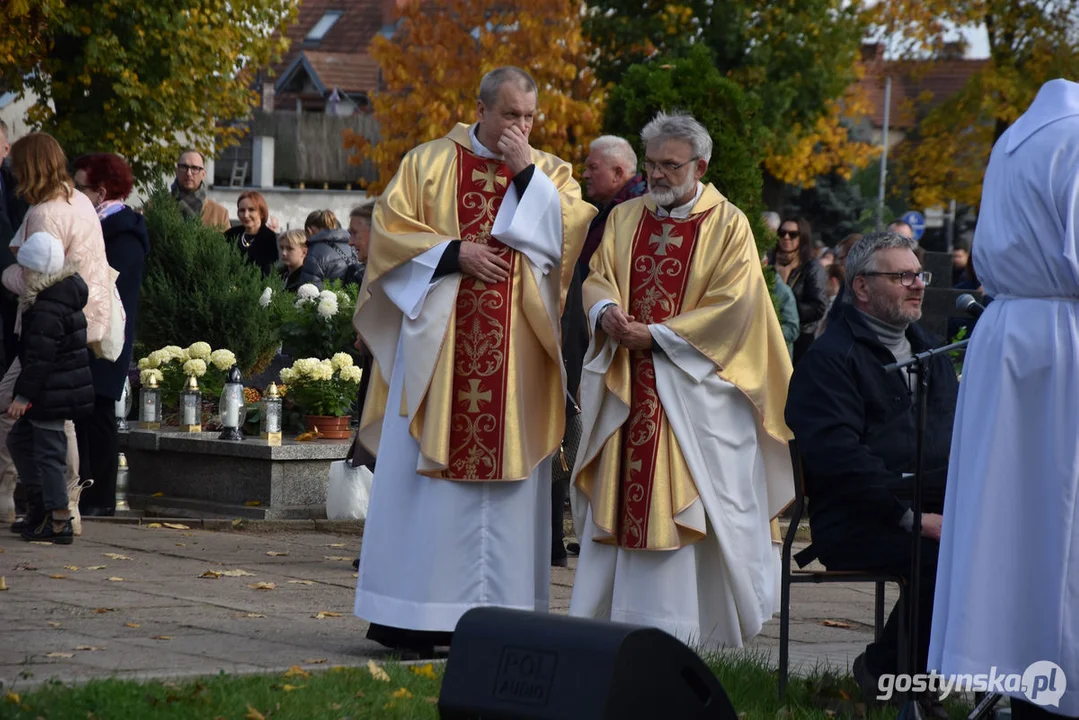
(75, 223)
(216, 215)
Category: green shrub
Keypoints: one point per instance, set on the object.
(200, 287)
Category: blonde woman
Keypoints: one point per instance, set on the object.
(292, 249)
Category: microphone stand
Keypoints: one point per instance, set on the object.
(919, 367)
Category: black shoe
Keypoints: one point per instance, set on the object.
(573, 549)
(356, 564)
(560, 561)
(35, 513)
(46, 532)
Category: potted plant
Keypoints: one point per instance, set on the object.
(325, 391)
(315, 323)
(172, 365)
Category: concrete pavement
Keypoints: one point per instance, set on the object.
(132, 600)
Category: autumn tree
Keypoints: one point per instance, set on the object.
(141, 79)
(1030, 43)
(433, 64)
(800, 59)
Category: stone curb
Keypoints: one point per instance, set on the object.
(344, 527)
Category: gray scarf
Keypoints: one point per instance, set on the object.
(190, 202)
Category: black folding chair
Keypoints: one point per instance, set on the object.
(807, 556)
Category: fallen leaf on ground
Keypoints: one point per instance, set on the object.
(301, 582)
(359, 694)
(237, 522)
(1, 551)
(254, 615)
(132, 625)
(153, 525)
(211, 574)
(262, 586)
(276, 553)
(402, 693)
(161, 637)
(335, 706)
(158, 494)
(97, 567)
(181, 544)
(309, 435)
(295, 671)
(115, 556)
(59, 655)
(58, 577)
(427, 671)
(315, 661)
(39, 542)
(324, 614)
(102, 611)
(431, 700)
(340, 558)
(336, 545)
(116, 579)
(253, 714)
(72, 568)
(377, 672)
(88, 648)
(53, 623)
(237, 573)
(289, 688)
(253, 503)
(176, 526)
(3, 583)
(835, 624)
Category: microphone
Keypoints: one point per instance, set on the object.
(967, 304)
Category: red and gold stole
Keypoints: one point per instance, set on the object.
(662, 250)
(480, 367)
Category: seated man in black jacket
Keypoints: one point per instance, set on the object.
(856, 429)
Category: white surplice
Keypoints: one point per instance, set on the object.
(432, 548)
(1007, 592)
(719, 591)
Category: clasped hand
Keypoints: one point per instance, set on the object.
(625, 329)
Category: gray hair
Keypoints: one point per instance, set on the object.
(679, 126)
(771, 219)
(616, 149)
(860, 257)
(191, 150)
(493, 81)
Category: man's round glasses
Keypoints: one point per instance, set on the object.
(665, 167)
(906, 279)
(184, 167)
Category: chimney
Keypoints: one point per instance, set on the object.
(872, 52)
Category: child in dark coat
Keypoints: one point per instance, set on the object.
(55, 384)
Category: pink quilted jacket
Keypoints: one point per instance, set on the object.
(75, 223)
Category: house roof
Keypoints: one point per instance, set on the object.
(350, 72)
(359, 22)
(941, 79)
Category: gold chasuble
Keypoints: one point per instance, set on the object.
(700, 277)
(486, 402)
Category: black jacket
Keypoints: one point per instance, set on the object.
(12, 212)
(809, 283)
(55, 375)
(261, 251)
(328, 257)
(856, 429)
(127, 244)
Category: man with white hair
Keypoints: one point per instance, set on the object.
(684, 458)
(611, 178)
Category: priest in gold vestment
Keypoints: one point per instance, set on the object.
(473, 246)
(683, 462)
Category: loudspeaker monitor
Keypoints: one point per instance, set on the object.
(515, 665)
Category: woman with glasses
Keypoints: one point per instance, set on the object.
(794, 262)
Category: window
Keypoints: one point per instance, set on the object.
(323, 26)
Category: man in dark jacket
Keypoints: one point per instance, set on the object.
(855, 425)
(55, 384)
(12, 211)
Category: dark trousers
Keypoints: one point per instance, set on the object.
(889, 550)
(40, 456)
(1023, 710)
(99, 449)
(558, 511)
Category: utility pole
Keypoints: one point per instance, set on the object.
(884, 152)
(951, 226)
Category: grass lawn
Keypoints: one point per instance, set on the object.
(391, 691)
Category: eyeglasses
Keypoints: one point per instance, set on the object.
(792, 234)
(184, 167)
(906, 279)
(667, 167)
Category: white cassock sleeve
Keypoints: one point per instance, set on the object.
(685, 357)
(532, 224)
(407, 285)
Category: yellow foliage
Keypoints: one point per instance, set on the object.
(433, 65)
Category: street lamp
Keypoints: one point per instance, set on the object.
(150, 405)
(271, 415)
(191, 406)
(232, 407)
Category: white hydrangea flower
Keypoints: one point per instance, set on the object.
(322, 371)
(184, 356)
(341, 360)
(267, 295)
(144, 363)
(327, 307)
(195, 366)
(351, 374)
(145, 375)
(173, 351)
(287, 375)
(307, 291)
(222, 359)
(200, 350)
(327, 294)
(157, 358)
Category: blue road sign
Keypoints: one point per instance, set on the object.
(917, 223)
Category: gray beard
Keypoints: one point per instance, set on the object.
(669, 196)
